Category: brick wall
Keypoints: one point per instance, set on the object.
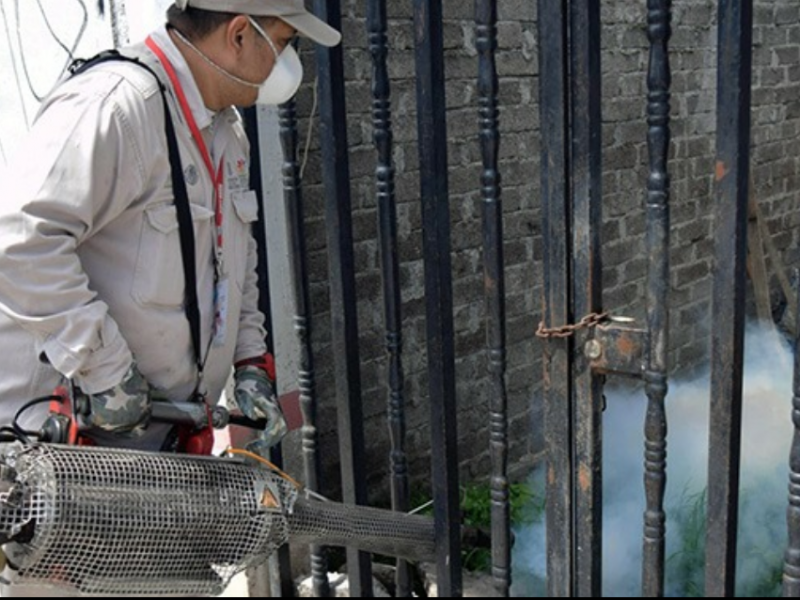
(776, 171)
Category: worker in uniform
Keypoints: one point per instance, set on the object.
(98, 284)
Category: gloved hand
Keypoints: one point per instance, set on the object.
(254, 394)
(123, 409)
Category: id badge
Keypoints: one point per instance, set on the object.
(220, 311)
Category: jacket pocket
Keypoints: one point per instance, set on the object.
(159, 276)
(246, 205)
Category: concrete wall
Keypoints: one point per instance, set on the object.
(776, 174)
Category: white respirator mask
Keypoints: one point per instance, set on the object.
(284, 79)
(286, 74)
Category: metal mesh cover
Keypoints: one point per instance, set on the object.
(369, 529)
(107, 521)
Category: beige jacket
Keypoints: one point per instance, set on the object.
(91, 272)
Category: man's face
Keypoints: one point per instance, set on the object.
(268, 39)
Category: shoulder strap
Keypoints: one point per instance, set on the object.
(182, 205)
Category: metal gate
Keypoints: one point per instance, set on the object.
(583, 343)
(579, 357)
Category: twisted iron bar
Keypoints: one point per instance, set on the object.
(658, 193)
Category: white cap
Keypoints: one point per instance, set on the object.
(292, 12)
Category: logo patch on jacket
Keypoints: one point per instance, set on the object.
(190, 174)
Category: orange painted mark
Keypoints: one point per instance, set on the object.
(584, 478)
(625, 345)
(721, 170)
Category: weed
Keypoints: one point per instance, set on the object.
(526, 505)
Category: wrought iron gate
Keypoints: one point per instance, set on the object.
(583, 344)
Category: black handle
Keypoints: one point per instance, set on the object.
(243, 421)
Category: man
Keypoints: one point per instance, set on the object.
(95, 287)
(93, 281)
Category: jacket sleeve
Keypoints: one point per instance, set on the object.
(79, 169)
(251, 339)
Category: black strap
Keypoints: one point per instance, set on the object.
(182, 205)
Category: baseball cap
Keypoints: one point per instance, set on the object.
(292, 12)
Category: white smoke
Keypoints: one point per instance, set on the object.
(766, 440)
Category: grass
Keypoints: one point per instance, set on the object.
(685, 566)
(760, 557)
(760, 565)
(526, 505)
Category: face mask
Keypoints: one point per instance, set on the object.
(286, 74)
(284, 79)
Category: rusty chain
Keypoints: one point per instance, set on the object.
(565, 331)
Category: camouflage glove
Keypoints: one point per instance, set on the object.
(123, 409)
(254, 394)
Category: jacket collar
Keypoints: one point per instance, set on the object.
(202, 115)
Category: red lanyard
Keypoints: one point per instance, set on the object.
(217, 179)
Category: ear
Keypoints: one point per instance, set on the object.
(235, 32)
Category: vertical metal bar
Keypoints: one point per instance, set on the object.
(341, 265)
(280, 567)
(259, 228)
(293, 199)
(390, 263)
(553, 61)
(734, 55)
(494, 282)
(659, 31)
(586, 185)
(432, 136)
(791, 566)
